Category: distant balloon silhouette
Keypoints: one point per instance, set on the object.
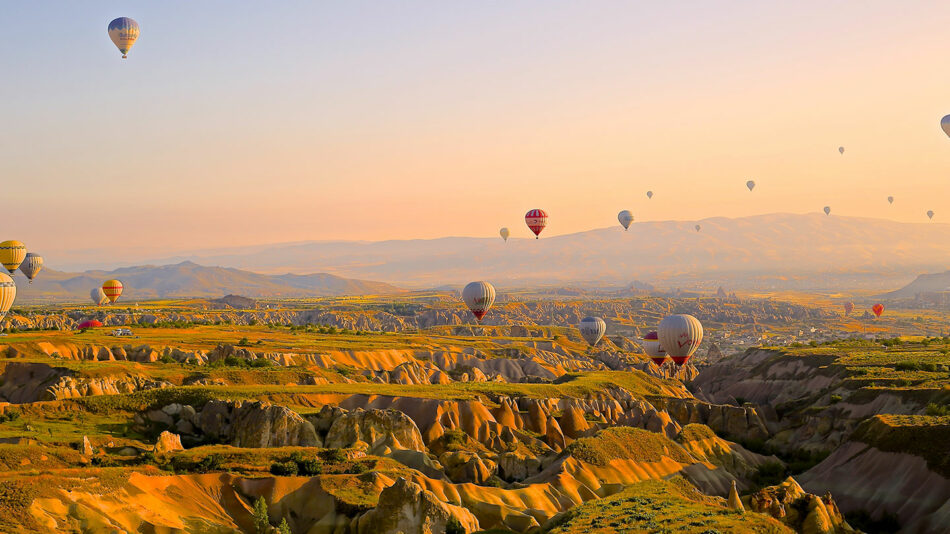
(878, 309)
(750, 184)
(848, 308)
(698, 227)
(649, 194)
(827, 210)
(625, 218)
(890, 200)
(945, 124)
(504, 234)
(930, 214)
(841, 150)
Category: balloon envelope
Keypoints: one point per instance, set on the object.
(625, 218)
(536, 220)
(890, 200)
(98, 296)
(32, 264)
(698, 227)
(945, 124)
(12, 254)
(504, 233)
(680, 335)
(478, 296)
(827, 210)
(651, 345)
(750, 184)
(649, 194)
(878, 309)
(930, 214)
(92, 323)
(112, 289)
(592, 329)
(848, 308)
(123, 31)
(841, 150)
(7, 294)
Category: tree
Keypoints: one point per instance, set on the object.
(261, 519)
(283, 527)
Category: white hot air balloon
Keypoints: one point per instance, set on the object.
(625, 218)
(750, 184)
(680, 335)
(841, 150)
(945, 124)
(504, 233)
(592, 329)
(479, 296)
(651, 345)
(7, 295)
(827, 210)
(649, 194)
(930, 214)
(890, 200)
(98, 296)
(32, 264)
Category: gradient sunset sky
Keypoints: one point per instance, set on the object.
(246, 122)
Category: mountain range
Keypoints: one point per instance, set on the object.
(187, 279)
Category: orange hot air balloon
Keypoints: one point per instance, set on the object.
(878, 309)
(112, 289)
(848, 308)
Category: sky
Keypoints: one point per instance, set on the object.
(244, 122)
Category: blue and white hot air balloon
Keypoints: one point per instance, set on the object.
(124, 31)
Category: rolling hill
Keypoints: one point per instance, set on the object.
(188, 279)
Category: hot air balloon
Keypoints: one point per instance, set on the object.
(841, 150)
(479, 296)
(680, 335)
(930, 214)
(890, 200)
(848, 308)
(536, 221)
(649, 194)
(98, 296)
(7, 295)
(592, 329)
(625, 218)
(91, 323)
(698, 227)
(12, 254)
(504, 234)
(112, 289)
(878, 309)
(827, 210)
(123, 31)
(945, 124)
(651, 344)
(750, 184)
(32, 264)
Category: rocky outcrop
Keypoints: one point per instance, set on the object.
(805, 512)
(381, 430)
(168, 442)
(407, 508)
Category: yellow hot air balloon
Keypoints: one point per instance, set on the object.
(7, 295)
(12, 254)
(112, 289)
(123, 31)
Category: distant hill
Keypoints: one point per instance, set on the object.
(766, 251)
(188, 279)
(925, 283)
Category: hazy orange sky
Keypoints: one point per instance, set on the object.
(237, 123)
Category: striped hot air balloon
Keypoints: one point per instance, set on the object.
(31, 265)
(536, 220)
(651, 345)
(479, 296)
(112, 289)
(123, 31)
(680, 335)
(592, 329)
(12, 254)
(7, 295)
(878, 309)
(98, 296)
(625, 218)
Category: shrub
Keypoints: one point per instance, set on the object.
(284, 469)
(261, 518)
(938, 409)
(244, 342)
(454, 526)
(333, 456)
(835, 399)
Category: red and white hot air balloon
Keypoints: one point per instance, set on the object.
(878, 309)
(479, 296)
(536, 220)
(651, 344)
(680, 335)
